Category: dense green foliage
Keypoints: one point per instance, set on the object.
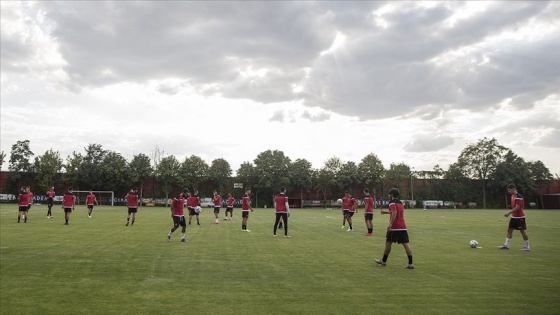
(479, 176)
(99, 266)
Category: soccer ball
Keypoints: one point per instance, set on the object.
(339, 201)
(473, 243)
(198, 209)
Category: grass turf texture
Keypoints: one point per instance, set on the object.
(98, 265)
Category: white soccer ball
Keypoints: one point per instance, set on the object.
(339, 201)
(473, 243)
(198, 209)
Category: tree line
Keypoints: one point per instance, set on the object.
(480, 174)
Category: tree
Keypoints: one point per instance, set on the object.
(541, 176)
(20, 157)
(272, 167)
(459, 186)
(479, 160)
(326, 177)
(371, 171)
(139, 169)
(219, 172)
(247, 175)
(114, 173)
(167, 173)
(301, 175)
(397, 174)
(511, 170)
(540, 173)
(90, 168)
(2, 158)
(72, 167)
(48, 168)
(193, 171)
(348, 177)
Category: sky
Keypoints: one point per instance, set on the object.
(412, 82)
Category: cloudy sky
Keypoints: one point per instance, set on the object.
(412, 82)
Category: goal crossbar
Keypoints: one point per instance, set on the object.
(98, 192)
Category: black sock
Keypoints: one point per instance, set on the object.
(350, 225)
(132, 222)
(385, 258)
(243, 226)
(409, 259)
(370, 231)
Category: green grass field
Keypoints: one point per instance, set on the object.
(99, 266)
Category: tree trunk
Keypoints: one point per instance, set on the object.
(483, 194)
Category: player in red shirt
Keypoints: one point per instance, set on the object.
(30, 197)
(368, 215)
(517, 220)
(132, 202)
(90, 201)
(50, 200)
(23, 202)
(68, 202)
(245, 208)
(178, 215)
(229, 207)
(193, 202)
(282, 211)
(352, 208)
(217, 199)
(345, 207)
(396, 230)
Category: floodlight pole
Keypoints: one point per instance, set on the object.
(411, 187)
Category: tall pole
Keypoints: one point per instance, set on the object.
(411, 189)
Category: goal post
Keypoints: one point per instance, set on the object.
(97, 194)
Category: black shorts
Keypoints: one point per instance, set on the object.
(229, 209)
(350, 214)
(90, 207)
(345, 212)
(50, 202)
(67, 210)
(132, 210)
(517, 224)
(368, 216)
(191, 211)
(400, 237)
(216, 209)
(22, 208)
(179, 220)
(245, 214)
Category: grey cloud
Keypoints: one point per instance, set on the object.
(168, 89)
(550, 140)
(378, 73)
(278, 116)
(428, 143)
(316, 117)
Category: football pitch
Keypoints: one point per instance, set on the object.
(100, 266)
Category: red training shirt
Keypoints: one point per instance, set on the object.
(281, 201)
(246, 202)
(396, 205)
(368, 203)
(177, 206)
(517, 200)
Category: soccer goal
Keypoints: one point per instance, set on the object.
(104, 197)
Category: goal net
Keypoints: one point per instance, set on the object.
(105, 197)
